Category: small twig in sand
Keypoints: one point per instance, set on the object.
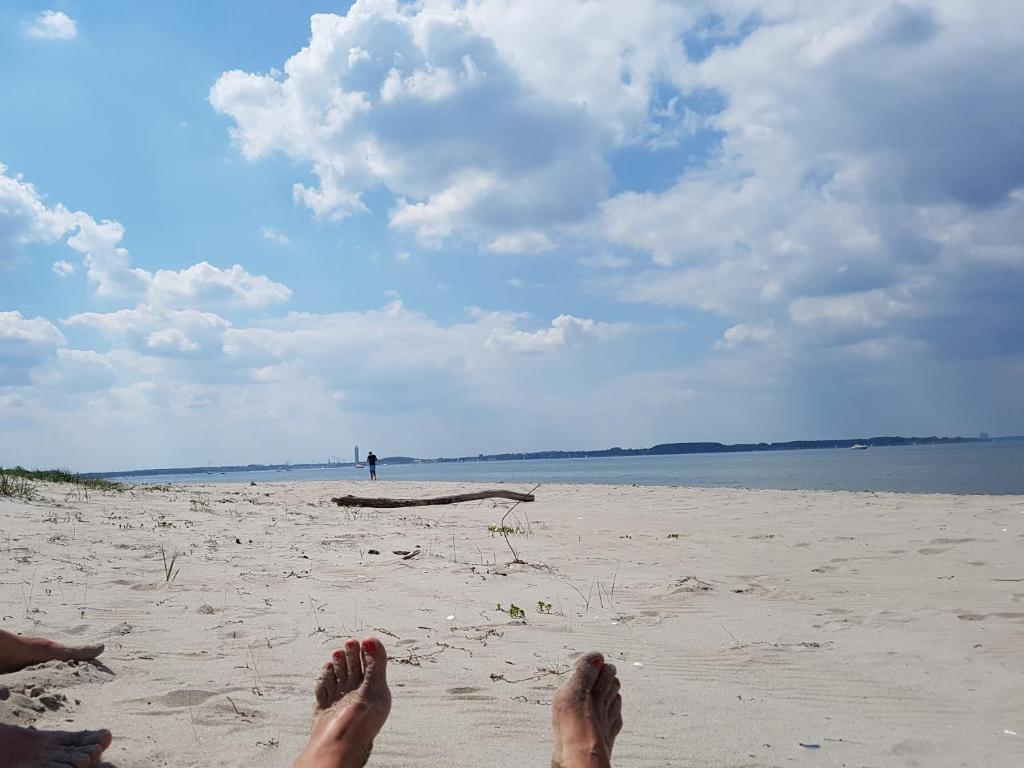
(583, 597)
(561, 610)
(516, 560)
(238, 712)
(736, 640)
(316, 619)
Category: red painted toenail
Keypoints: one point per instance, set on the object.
(338, 654)
(369, 646)
(596, 663)
(352, 644)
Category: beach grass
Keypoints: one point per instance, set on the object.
(19, 482)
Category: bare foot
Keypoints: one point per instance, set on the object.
(587, 715)
(18, 651)
(352, 703)
(28, 748)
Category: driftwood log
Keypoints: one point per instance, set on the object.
(364, 501)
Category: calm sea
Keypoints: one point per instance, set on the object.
(991, 468)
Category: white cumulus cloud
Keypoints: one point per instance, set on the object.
(25, 343)
(26, 219)
(51, 25)
(565, 330)
(420, 100)
(274, 235)
(63, 268)
(158, 330)
(527, 241)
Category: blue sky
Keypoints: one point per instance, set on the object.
(236, 232)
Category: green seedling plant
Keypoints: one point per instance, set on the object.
(506, 530)
(513, 610)
(543, 607)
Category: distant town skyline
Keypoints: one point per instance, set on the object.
(240, 232)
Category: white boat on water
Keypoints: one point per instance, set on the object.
(858, 447)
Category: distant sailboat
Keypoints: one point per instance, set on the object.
(858, 447)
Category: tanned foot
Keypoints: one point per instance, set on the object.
(27, 748)
(18, 652)
(587, 715)
(352, 703)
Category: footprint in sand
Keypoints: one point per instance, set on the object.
(182, 698)
(1009, 615)
(469, 693)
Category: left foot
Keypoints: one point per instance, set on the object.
(18, 652)
(352, 703)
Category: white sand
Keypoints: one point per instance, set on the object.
(888, 629)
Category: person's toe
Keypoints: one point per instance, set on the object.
(375, 662)
(604, 688)
(85, 652)
(615, 716)
(75, 757)
(326, 687)
(586, 672)
(609, 702)
(100, 738)
(354, 664)
(340, 667)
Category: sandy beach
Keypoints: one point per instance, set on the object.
(750, 628)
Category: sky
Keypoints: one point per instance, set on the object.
(241, 232)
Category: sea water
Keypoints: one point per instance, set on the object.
(966, 468)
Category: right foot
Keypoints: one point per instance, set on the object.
(352, 703)
(587, 715)
(28, 748)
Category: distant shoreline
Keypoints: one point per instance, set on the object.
(662, 449)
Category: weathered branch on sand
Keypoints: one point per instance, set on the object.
(363, 501)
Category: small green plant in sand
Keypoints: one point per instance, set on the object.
(16, 487)
(170, 572)
(200, 505)
(506, 530)
(673, 535)
(513, 610)
(163, 522)
(543, 607)
(62, 476)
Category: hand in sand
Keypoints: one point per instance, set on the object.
(27, 748)
(18, 652)
(587, 715)
(352, 703)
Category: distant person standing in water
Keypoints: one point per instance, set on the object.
(371, 459)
